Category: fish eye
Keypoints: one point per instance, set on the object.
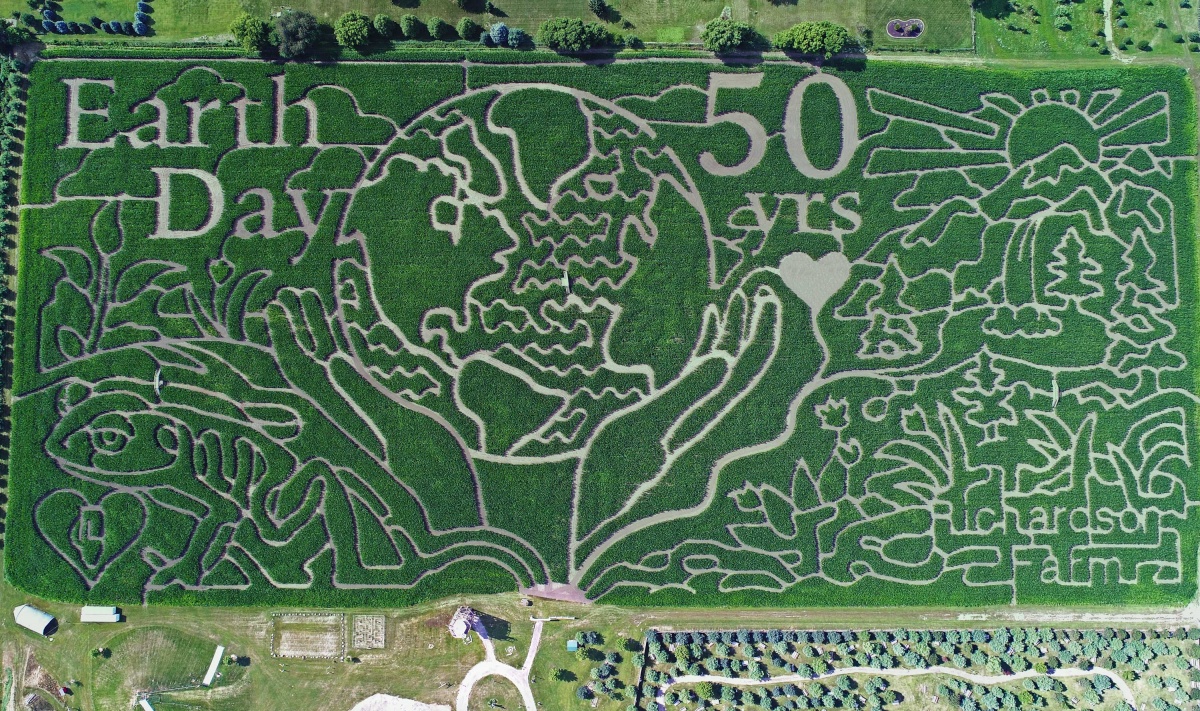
(110, 433)
(110, 441)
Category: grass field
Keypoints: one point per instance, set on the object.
(679, 336)
(1013, 30)
(651, 20)
(170, 646)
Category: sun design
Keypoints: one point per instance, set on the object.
(1104, 131)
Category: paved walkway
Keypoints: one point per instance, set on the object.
(948, 671)
(492, 667)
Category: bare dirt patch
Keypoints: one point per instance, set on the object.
(310, 636)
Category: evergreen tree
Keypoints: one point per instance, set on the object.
(1075, 272)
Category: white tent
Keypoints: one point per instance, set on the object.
(96, 613)
(34, 619)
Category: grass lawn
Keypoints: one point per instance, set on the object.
(158, 647)
(949, 21)
(494, 693)
(557, 690)
(167, 659)
(1143, 18)
(1035, 33)
(1026, 29)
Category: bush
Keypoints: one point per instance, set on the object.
(144, 7)
(74, 28)
(564, 34)
(469, 29)
(297, 33)
(140, 16)
(127, 27)
(517, 38)
(499, 34)
(1144, 45)
(411, 27)
(141, 28)
(439, 29)
(96, 21)
(813, 38)
(49, 26)
(599, 8)
(385, 26)
(251, 32)
(726, 35)
(352, 29)
(61, 27)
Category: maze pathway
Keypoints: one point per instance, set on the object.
(670, 329)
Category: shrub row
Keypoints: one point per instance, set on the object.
(52, 23)
(12, 82)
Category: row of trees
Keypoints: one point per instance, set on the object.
(52, 23)
(295, 34)
(819, 38)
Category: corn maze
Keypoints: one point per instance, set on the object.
(652, 332)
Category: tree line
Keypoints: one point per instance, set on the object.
(294, 34)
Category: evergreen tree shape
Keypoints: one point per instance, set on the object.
(1075, 272)
(988, 403)
(892, 334)
(1140, 334)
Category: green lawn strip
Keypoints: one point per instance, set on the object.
(948, 22)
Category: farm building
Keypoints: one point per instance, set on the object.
(97, 613)
(34, 619)
(463, 621)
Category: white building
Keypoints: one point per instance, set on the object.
(96, 613)
(463, 621)
(35, 620)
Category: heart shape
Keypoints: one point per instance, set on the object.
(814, 280)
(90, 536)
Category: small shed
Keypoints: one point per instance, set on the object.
(97, 613)
(572, 645)
(35, 620)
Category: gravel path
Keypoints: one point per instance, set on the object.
(492, 667)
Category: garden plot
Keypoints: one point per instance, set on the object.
(309, 636)
(670, 333)
(370, 632)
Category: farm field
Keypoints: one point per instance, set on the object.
(658, 333)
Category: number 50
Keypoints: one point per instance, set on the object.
(792, 135)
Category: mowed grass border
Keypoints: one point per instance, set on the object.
(810, 593)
